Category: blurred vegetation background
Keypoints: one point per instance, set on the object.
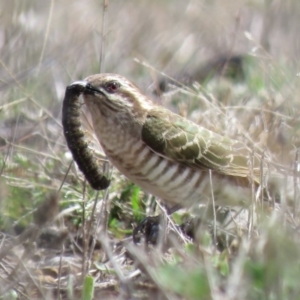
(46, 45)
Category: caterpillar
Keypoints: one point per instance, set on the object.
(75, 137)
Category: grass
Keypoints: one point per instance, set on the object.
(85, 250)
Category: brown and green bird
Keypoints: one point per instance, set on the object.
(165, 154)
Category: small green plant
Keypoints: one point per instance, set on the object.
(88, 288)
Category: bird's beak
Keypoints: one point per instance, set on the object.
(85, 87)
(92, 90)
(76, 88)
(79, 83)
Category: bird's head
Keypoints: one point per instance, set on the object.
(113, 96)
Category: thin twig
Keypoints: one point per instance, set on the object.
(84, 236)
(103, 30)
(253, 200)
(89, 231)
(296, 171)
(46, 35)
(214, 208)
(16, 102)
(66, 174)
(62, 250)
(262, 183)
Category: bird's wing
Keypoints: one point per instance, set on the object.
(181, 140)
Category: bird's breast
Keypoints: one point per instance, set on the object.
(164, 178)
(167, 179)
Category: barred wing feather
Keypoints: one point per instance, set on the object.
(181, 140)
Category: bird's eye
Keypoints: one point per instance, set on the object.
(112, 86)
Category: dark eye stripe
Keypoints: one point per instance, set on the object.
(90, 88)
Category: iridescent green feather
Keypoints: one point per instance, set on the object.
(181, 140)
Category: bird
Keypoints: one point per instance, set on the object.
(178, 161)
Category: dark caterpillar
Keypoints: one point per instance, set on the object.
(75, 138)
